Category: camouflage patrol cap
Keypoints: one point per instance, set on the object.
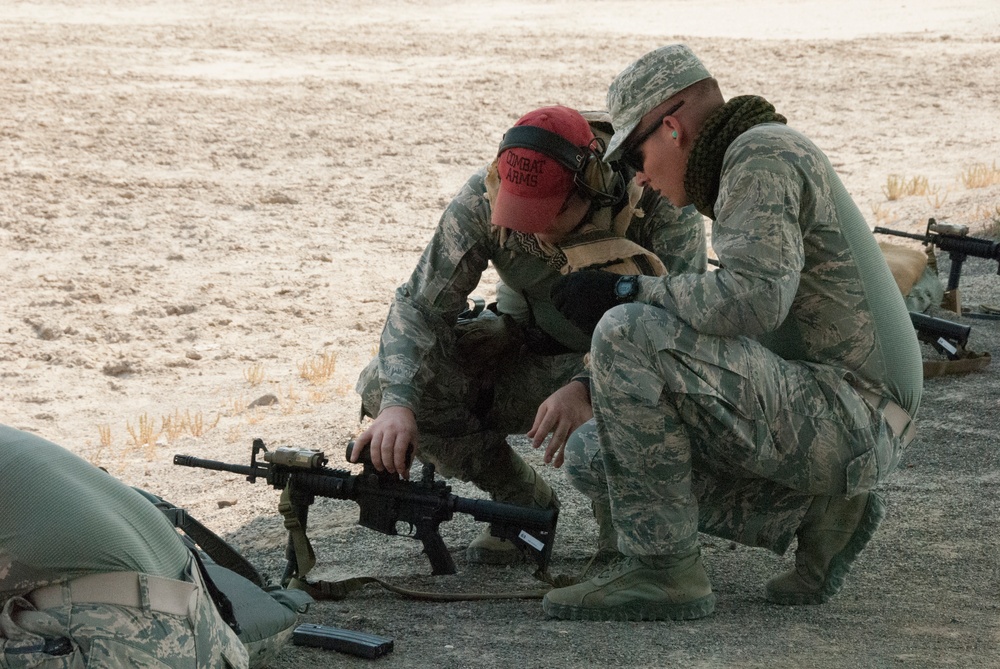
(645, 84)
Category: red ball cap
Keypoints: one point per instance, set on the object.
(533, 185)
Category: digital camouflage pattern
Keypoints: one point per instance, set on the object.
(103, 635)
(801, 271)
(422, 316)
(739, 385)
(467, 404)
(647, 83)
(93, 523)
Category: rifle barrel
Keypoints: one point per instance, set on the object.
(191, 461)
(899, 233)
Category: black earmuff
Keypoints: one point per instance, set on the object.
(580, 160)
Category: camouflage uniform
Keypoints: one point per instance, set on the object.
(65, 520)
(725, 401)
(467, 405)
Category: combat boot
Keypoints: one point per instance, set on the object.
(521, 485)
(638, 588)
(831, 535)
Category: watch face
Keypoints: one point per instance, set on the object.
(626, 288)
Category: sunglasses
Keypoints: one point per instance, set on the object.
(632, 156)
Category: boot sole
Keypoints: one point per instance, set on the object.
(841, 563)
(637, 612)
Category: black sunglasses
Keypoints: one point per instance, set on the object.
(632, 156)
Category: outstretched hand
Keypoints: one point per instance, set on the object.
(560, 414)
(390, 435)
(583, 297)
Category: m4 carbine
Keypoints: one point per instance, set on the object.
(386, 503)
(955, 241)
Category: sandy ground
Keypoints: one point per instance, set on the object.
(206, 203)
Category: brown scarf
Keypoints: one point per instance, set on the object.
(704, 167)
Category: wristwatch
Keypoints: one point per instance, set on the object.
(627, 288)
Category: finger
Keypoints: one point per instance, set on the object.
(555, 448)
(359, 445)
(375, 451)
(400, 447)
(557, 463)
(536, 427)
(547, 425)
(555, 444)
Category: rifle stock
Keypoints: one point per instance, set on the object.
(945, 336)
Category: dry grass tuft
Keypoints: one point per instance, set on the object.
(234, 434)
(254, 374)
(318, 371)
(145, 435)
(291, 399)
(105, 434)
(173, 426)
(881, 215)
(197, 425)
(897, 187)
(980, 175)
(178, 423)
(237, 405)
(254, 416)
(936, 199)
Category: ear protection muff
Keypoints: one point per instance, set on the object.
(593, 178)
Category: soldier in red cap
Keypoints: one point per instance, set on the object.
(452, 388)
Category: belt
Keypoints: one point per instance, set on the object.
(120, 588)
(902, 426)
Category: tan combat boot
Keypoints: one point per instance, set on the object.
(832, 533)
(524, 486)
(638, 588)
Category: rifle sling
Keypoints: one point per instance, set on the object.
(305, 557)
(336, 590)
(969, 362)
(220, 552)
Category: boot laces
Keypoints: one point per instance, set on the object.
(617, 566)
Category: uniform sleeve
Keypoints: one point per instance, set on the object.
(758, 240)
(423, 314)
(676, 236)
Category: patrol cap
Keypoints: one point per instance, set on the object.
(534, 185)
(647, 83)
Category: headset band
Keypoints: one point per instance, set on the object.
(570, 156)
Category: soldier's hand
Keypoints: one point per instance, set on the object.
(583, 297)
(562, 412)
(390, 437)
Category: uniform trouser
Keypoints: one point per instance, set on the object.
(719, 434)
(72, 634)
(467, 411)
